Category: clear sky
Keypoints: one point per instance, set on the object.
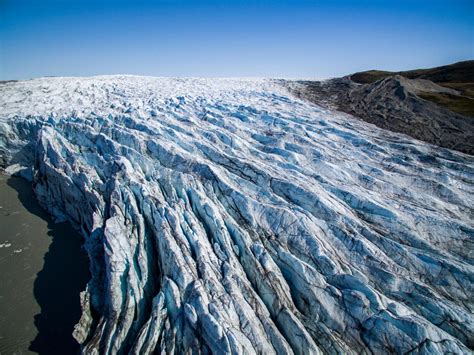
(273, 38)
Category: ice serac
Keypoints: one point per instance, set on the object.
(227, 216)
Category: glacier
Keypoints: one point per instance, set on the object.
(229, 216)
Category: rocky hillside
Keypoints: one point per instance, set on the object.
(229, 216)
(406, 102)
(461, 72)
(457, 76)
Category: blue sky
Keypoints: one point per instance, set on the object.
(230, 38)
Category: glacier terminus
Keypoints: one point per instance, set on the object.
(228, 216)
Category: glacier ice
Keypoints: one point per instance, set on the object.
(228, 216)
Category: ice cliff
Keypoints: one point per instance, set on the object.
(228, 216)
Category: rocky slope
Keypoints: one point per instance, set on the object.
(228, 216)
(460, 72)
(459, 77)
(397, 104)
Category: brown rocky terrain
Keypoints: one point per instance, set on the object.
(433, 105)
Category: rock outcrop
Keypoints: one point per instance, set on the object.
(228, 216)
(396, 104)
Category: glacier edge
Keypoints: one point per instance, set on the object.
(227, 216)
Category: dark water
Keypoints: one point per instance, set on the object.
(42, 271)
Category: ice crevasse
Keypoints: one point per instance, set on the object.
(228, 216)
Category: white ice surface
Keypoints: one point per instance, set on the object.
(227, 215)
